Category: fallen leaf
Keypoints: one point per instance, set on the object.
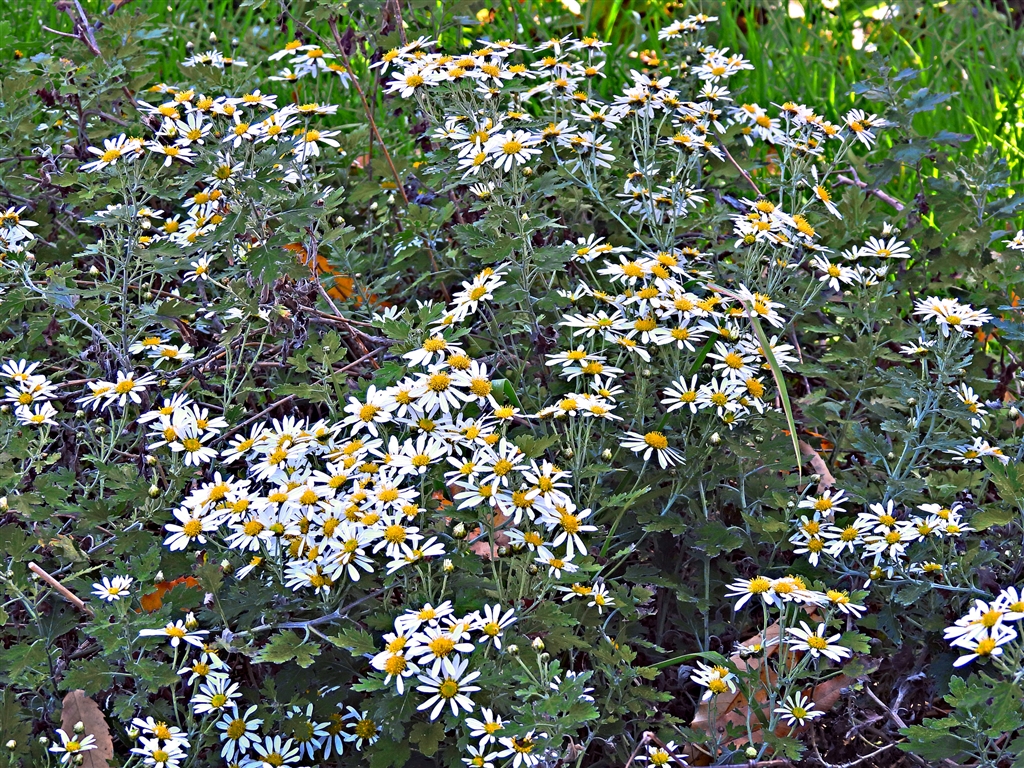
(154, 600)
(79, 708)
(342, 286)
(819, 466)
(734, 707)
(483, 547)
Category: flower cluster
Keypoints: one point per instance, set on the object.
(880, 536)
(15, 232)
(30, 393)
(987, 626)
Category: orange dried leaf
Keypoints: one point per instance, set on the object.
(155, 599)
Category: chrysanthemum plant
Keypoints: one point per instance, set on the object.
(561, 412)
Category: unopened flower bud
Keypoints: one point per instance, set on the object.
(79, 727)
(532, 569)
(544, 657)
(751, 753)
(159, 576)
(43, 740)
(191, 622)
(606, 454)
(79, 414)
(151, 461)
(133, 734)
(512, 649)
(101, 430)
(890, 455)
(646, 373)
(373, 206)
(5, 408)
(190, 46)
(1013, 413)
(213, 37)
(538, 644)
(79, 759)
(154, 491)
(569, 453)
(12, 744)
(911, 401)
(148, 295)
(526, 217)
(447, 566)
(502, 551)
(715, 438)
(459, 531)
(94, 270)
(235, 42)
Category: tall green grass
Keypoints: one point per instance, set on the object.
(960, 46)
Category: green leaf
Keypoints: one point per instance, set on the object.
(992, 516)
(780, 382)
(856, 642)
(354, 640)
(390, 752)
(288, 646)
(715, 538)
(427, 737)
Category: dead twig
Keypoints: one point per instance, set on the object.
(852, 763)
(333, 24)
(66, 593)
(83, 29)
(883, 196)
(736, 165)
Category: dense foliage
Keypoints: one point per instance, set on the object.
(423, 396)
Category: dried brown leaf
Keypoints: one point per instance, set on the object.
(79, 708)
(734, 707)
(819, 466)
